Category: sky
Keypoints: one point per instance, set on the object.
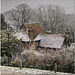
(68, 5)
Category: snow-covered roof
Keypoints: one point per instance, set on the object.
(52, 41)
(38, 38)
(22, 35)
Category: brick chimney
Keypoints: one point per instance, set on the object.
(27, 31)
(48, 32)
(30, 33)
(67, 37)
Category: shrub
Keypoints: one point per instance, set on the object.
(15, 63)
(30, 60)
(25, 64)
(69, 68)
(4, 60)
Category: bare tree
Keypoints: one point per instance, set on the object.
(21, 14)
(42, 16)
(52, 17)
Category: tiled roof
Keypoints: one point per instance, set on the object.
(36, 28)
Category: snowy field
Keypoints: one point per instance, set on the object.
(31, 71)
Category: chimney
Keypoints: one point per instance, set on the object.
(48, 32)
(27, 31)
(30, 33)
(67, 37)
(68, 32)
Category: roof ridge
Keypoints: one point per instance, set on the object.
(32, 23)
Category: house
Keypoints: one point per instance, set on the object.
(33, 37)
(28, 32)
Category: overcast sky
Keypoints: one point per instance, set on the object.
(68, 5)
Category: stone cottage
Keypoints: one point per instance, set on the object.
(33, 36)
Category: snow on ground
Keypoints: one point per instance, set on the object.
(31, 71)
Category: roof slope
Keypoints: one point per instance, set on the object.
(52, 41)
(21, 35)
(38, 38)
(36, 27)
